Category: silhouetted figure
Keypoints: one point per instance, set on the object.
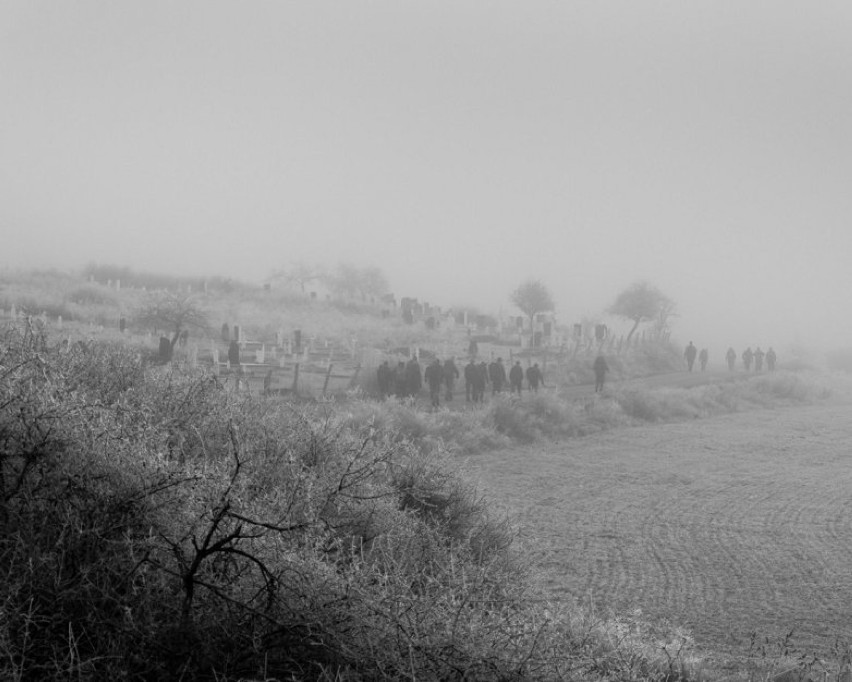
(690, 354)
(234, 354)
(516, 378)
(758, 359)
(534, 377)
(413, 377)
(771, 358)
(451, 373)
(469, 379)
(601, 368)
(748, 356)
(399, 380)
(434, 376)
(497, 374)
(481, 378)
(472, 348)
(267, 383)
(731, 358)
(383, 377)
(703, 356)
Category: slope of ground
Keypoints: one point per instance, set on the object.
(729, 526)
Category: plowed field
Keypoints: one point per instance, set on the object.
(726, 525)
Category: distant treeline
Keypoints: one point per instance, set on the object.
(128, 277)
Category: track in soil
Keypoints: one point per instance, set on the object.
(727, 525)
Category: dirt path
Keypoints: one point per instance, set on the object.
(728, 525)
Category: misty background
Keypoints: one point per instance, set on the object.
(461, 147)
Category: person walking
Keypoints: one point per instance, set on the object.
(469, 380)
(451, 373)
(771, 358)
(434, 376)
(481, 380)
(413, 377)
(400, 382)
(383, 377)
(731, 357)
(497, 374)
(758, 359)
(690, 354)
(748, 356)
(534, 377)
(516, 377)
(600, 368)
(703, 356)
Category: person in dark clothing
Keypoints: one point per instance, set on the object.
(451, 373)
(748, 356)
(758, 359)
(434, 376)
(469, 380)
(703, 356)
(771, 359)
(481, 378)
(690, 354)
(497, 374)
(601, 368)
(413, 377)
(534, 377)
(383, 377)
(731, 357)
(399, 380)
(516, 378)
(234, 354)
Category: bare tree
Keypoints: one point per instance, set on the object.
(532, 297)
(173, 311)
(299, 274)
(349, 280)
(642, 302)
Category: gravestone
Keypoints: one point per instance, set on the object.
(165, 349)
(260, 355)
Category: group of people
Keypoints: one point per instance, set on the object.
(407, 379)
(692, 352)
(749, 356)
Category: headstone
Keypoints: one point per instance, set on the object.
(238, 334)
(165, 349)
(260, 355)
(297, 340)
(279, 337)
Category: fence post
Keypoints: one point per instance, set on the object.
(327, 377)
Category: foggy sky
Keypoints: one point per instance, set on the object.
(462, 147)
